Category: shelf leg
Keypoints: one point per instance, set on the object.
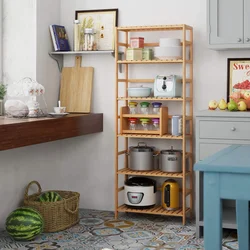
(59, 60)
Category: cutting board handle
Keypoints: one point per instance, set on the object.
(78, 62)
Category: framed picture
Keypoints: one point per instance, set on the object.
(104, 23)
(238, 76)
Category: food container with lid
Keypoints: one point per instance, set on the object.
(139, 91)
(89, 39)
(145, 122)
(132, 123)
(156, 107)
(145, 107)
(132, 107)
(156, 123)
(176, 128)
(166, 42)
(147, 54)
(134, 54)
(137, 42)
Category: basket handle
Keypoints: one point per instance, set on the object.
(70, 211)
(26, 196)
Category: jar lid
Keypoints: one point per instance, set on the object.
(76, 22)
(145, 120)
(89, 31)
(132, 119)
(156, 104)
(142, 147)
(155, 120)
(133, 104)
(144, 104)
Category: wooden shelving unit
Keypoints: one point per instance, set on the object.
(122, 115)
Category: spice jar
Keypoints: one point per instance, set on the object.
(132, 123)
(132, 107)
(145, 122)
(89, 39)
(145, 107)
(156, 107)
(156, 122)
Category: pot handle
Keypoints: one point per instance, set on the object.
(156, 153)
(142, 144)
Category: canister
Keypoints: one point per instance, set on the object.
(137, 42)
(176, 125)
(147, 54)
(133, 54)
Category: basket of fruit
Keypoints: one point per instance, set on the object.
(59, 209)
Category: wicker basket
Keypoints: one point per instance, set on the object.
(57, 215)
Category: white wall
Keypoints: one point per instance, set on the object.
(86, 163)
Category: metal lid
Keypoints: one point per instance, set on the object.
(140, 181)
(89, 31)
(76, 22)
(170, 151)
(142, 147)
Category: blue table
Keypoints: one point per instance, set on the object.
(226, 176)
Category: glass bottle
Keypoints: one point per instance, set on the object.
(145, 107)
(89, 39)
(156, 122)
(132, 123)
(145, 123)
(132, 107)
(156, 107)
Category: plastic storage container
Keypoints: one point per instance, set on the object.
(145, 122)
(156, 123)
(133, 54)
(156, 107)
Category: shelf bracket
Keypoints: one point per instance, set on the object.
(59, 60)
(119, 58)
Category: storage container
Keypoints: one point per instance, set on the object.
(133, 54)
(176, 125)
(147, 54)
(137, 42)
(90, 39)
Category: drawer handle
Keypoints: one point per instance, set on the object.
(233, 128)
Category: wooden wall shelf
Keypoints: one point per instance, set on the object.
(17, 133)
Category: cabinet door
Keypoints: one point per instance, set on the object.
(246, 21)
(225, 21)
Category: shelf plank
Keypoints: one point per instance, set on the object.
(154, 28)
(141, 115)
(152, 61)
(159, 210)
(156, 173)
(188, 80)
(82, 52)
(180, 99)
(147, 136)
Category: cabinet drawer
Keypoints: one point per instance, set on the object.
(224, 130)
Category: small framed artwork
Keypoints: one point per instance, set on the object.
(103, 22)
(238, 76)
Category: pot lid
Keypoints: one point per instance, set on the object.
(142, 147)
(140, 181)
(171, 151)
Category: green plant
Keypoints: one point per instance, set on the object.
(3, 90)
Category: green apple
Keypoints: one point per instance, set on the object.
(232, 105)
(242, 106)
(222, 104)
(212, 105)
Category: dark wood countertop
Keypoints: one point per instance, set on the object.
(15, 133)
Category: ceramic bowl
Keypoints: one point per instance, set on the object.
(139, 91)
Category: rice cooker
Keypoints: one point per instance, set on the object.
(140, 192)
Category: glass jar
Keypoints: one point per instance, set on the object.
(145, 122)
(156, 123)
(156, 107)
(132, 107)
(145, 107)
(132, 123)
(89, 39)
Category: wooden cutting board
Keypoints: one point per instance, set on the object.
(76, 87)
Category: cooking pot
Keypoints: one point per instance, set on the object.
(141, 157)
(171, 160)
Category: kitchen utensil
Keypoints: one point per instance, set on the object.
(141, 157)
(59, 110)
(168, 42)
(140, 192)
(76, 87)
(167, 86)
(139, 91)
(58, 114)
(170, 195)
(171, 160)
(165, 53)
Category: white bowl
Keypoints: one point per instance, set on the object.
(171, 52)
(166, 42)
(139, 91)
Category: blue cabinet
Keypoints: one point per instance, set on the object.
(228, 24)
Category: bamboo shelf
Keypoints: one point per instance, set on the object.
(123, 133)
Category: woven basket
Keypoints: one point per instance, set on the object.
(57, 215)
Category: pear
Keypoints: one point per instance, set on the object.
(242, 106)
(222, 104)
(232, 105)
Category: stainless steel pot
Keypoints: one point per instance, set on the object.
(141, 157)
(171, 160)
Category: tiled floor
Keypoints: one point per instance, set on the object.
(98, 230)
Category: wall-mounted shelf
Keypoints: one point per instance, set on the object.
(58, 55)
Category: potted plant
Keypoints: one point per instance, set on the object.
(3, 90)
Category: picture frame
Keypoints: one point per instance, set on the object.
(104, 22)
(238, 76)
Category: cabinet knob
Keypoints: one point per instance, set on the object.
(248, 40)
(239, 39)
(233, 128)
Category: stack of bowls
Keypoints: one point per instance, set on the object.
(170, 48)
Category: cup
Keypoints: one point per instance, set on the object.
(59, 110)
